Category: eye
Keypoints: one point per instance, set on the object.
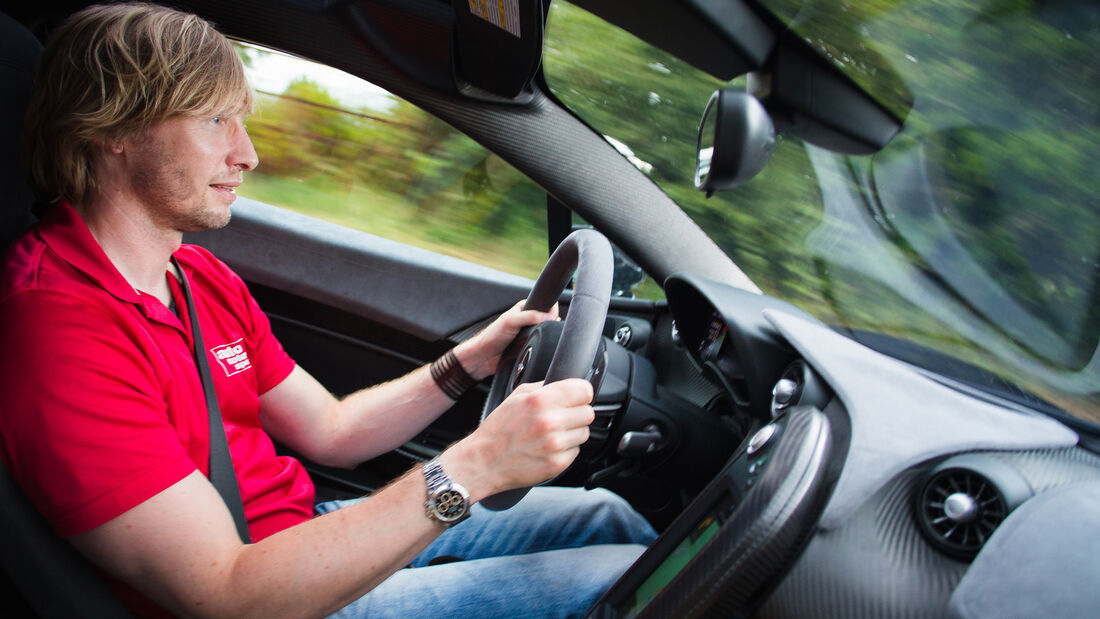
(217, 120)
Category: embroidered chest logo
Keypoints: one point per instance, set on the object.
(232, 357)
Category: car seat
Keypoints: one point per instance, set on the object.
(53, 579)
(19, 51)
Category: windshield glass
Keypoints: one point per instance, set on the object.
(971, 240)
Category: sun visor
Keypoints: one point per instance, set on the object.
(498, 46)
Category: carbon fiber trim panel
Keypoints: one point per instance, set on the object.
(765, 532)
(1046, 469)
(876, 565)
(879, 565)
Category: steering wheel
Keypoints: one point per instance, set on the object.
(588, 253)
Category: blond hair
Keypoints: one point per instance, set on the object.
(113, 71)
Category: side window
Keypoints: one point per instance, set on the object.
(338, 148)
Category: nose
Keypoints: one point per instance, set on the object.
(243, 155)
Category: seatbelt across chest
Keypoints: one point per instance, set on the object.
(221, 465)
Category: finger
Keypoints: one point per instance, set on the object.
(570, 391)
(576, 417)
(550, 313)
(528, 318)
(565, 458)
(574, 438)
(523, 388)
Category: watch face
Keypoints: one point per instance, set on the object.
(450, 505)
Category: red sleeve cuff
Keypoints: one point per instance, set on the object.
(123, 498)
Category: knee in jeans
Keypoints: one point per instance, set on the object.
(613, 510)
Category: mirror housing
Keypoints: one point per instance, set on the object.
(812, 100)
(736, 140)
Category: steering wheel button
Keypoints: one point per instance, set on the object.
(756, 466)
(761, 438)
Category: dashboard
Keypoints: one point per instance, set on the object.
(861, 487)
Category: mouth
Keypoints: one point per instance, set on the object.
(228, 190)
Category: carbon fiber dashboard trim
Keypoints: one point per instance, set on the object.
(879, 565)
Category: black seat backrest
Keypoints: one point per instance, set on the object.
(51, 576)
(19, 51)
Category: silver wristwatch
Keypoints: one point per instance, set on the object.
(448, 502)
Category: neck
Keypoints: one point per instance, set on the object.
(139, 248)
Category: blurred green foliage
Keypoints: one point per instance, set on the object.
(397, 173)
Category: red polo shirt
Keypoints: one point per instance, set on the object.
(102, 406)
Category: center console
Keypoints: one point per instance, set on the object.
(726, 551)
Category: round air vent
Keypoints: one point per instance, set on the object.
(959, 510)
(964, 500)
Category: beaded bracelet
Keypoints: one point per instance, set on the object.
(450, 377)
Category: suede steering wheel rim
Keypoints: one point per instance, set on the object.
(587, 253)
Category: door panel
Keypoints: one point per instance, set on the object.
(424, 294)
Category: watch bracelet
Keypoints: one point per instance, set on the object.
(436, 478)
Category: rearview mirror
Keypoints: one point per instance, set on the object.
(736, 140)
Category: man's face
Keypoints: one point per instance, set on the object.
(185, 170)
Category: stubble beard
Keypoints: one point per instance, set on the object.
(174, 203)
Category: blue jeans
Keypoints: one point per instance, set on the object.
(552, 555)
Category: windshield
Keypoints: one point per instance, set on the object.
(971, 240)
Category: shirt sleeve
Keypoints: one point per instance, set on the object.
(75, 389)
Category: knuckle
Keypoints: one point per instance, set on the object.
(523, 392)
(554, 444)
(537, 398)
(543, 424)
(589, 415)
(562, 460)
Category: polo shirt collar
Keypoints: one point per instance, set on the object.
(65, 232)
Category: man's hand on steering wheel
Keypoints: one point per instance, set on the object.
(534, 435)
(480, 355)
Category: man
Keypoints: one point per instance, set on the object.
(136, 132)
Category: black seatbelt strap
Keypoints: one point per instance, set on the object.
(221, 465)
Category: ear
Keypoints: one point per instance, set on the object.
(112, 145)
